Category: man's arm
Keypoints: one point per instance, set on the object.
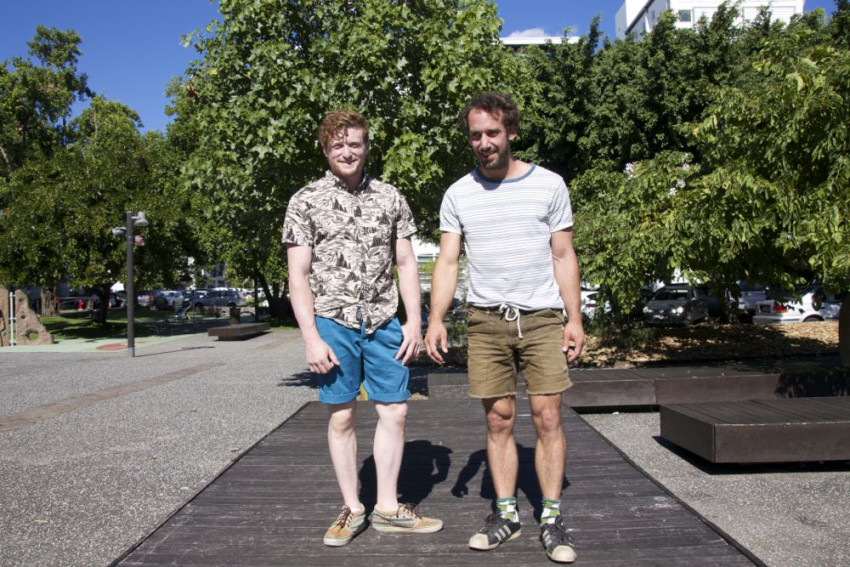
(408, 283)
(569, 285)
(443, 286)
(320, 357)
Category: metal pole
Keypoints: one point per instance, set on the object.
(128, 288)
(12, 336)
(256, 302)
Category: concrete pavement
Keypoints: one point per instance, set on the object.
(97, 449)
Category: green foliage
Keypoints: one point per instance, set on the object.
(719, 152)
(35, 100)
(602, 105)
(779, 149)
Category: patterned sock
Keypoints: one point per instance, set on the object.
(551, 510)
(507, 508)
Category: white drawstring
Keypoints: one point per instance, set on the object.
(511, 314)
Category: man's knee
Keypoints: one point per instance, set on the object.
(342, 419)
(394, 415)
(501, 414)
(546, 413)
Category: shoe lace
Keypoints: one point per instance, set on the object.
(408, 510)
(344, 516)
(558, 534)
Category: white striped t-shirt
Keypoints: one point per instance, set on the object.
(506, 227)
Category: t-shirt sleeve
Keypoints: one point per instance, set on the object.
(449, 220)
(297, 228)
(560, 210)
(405, 225)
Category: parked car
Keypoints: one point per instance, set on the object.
(144, 298)
(805, 305)
(221, 298)
(168, 299)
(678, 304)
(750, 295)
(589, 303)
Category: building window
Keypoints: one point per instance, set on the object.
(685, 16)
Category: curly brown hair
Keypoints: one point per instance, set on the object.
(339, 121)
(497, 104)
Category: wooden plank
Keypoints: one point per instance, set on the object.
(762, 431)
(273, 505)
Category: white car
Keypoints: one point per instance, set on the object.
(750, 296)
(813, 305)
(589, 303)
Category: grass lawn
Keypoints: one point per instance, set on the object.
(147, 322)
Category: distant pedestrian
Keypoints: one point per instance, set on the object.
(342, 233)
(515, 223)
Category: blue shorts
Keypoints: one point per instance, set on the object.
(366, 359)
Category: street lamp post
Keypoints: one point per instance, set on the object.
(133, 221)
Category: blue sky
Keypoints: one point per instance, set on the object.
(131, 48)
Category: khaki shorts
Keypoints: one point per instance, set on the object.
(496, 351)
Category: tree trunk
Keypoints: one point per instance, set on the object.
(48, 304)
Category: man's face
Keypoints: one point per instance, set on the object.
(490, 142)
(346, 153)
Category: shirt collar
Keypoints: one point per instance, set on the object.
(342, 185)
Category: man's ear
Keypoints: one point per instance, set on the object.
(512, 134)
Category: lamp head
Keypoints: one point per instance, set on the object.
(139, 220)
(118, 231)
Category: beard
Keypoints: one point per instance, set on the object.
(498, 161)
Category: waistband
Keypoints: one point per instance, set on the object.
(500, 309)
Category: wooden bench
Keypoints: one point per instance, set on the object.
(761, 431)
(238, 331)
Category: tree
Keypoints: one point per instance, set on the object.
(766, 195)
(35, 100)
(776, 166)
(270, 71)
(68, 182)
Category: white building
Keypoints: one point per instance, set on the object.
(638, 17)
(521, 41)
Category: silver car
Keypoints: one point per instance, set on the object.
(221, 298)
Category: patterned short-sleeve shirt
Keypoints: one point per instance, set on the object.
(352, 235)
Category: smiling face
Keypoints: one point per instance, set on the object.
(346, 153)
(490, 142)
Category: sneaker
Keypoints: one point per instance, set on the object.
(558, 543)
(347, 525)
(495, 531)
(404, 520)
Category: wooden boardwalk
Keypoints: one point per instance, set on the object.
(273, 505)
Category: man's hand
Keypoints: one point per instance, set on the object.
(320, 357)
(435, 339)
(574, 340)
(411, 341)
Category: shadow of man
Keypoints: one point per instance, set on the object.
(527, 483)
(423, 466)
